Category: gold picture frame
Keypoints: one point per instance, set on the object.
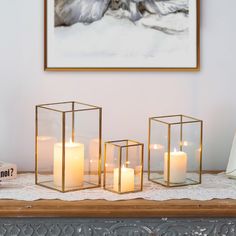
(48, 67)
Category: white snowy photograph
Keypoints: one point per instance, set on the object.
(122, 35)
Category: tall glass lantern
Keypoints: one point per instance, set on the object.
(175, 150)
(68, 146)
(123, 166)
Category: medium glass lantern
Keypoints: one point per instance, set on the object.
(68, 146)
(123, 166)
(175, 150)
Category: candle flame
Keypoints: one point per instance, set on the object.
(185, 143)
(155, 146)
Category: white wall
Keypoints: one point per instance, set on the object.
(128, 99)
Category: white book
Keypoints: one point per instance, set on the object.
(7, 171)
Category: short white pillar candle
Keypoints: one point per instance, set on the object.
(127, 180)
(178, 167)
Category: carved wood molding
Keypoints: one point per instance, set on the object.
(108, 227)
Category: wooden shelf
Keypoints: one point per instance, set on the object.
(131, 208)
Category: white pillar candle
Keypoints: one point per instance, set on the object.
(178, 167)
(127, 179)
(93, 156)
(45, 153)
(74, 164)
(94, 149)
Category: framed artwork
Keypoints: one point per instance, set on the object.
(129, 35)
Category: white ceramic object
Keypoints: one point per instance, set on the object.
(231, 168)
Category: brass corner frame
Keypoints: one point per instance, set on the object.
(169, 125)
(120, 147)
(63, 118)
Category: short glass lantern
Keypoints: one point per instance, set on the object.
(123, 166)
(68, 146)
(175, 150)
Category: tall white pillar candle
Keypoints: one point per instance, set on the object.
(74, 164)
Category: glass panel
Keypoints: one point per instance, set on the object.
(189, 119)
(62, 107)
(192, 147)
(158, 148)
(82, 153)
(169, 119)
(111, 167)
(81, 106)
(177, 165)
(132, 160)
(49, 133)
(175, 119)
(68, 106)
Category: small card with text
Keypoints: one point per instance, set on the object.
(7, 171)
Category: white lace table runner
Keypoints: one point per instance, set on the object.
(212, 187)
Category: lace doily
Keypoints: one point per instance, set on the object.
(212, 187)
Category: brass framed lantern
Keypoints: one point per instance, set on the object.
(68, 146)
(123, 166)
(175, 150)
